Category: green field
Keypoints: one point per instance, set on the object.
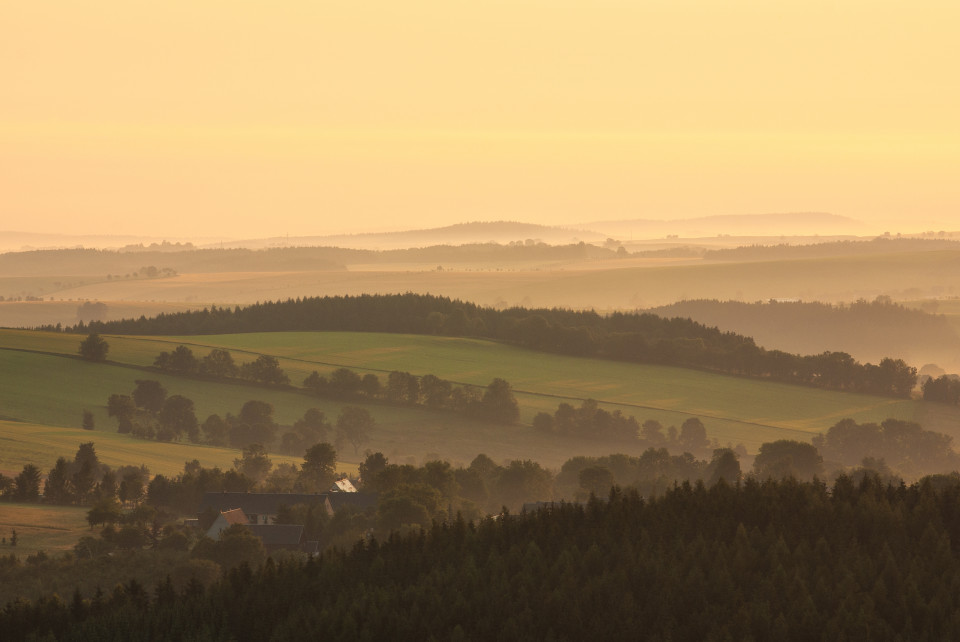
(38, 444)
(51, 389)
(51, 529)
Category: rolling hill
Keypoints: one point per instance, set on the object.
(868, 331)
(44, 383)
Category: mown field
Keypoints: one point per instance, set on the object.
(40, 445)
(735, 410)
(51, 529)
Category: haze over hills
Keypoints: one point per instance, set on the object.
(38, 287)
(868, 331)
(457, 234)
(709, 231)
(792, 224)
(17, 241)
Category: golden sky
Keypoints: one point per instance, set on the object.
(237, 119)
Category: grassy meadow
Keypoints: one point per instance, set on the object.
(41, 527)
(541, 381)
(41, 445)
(55, 387)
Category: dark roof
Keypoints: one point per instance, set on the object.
(362, 501)
(257, 503)
(278, 535)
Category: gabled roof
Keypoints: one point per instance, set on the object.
(257, 503)
(343, 486)
(235, 516)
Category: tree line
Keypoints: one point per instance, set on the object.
(942, 389)
(494, 403)
(148, 413)
(140, 516)
(635, 337)
(775, 560)
(862, 327)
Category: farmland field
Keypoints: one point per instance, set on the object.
(52, 529)
(41, 445)
(542, 380)
(735, 410)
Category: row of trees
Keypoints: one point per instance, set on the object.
(642, 338)
(219, 364)
(943, 389)
(80, 481)
(494, 403)
(770, 561)
(903, 446)
(589, 420)
(148, 413)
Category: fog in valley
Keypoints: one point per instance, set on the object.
(798, 291)
(480, 321)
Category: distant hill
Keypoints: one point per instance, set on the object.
(879, 245)
(865, 330)
(791, 224)
(458, 234)
(102, 262)
(11, 240)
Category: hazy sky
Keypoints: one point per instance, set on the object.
(216, 118)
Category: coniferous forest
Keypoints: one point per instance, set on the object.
(777, 560)
(641, 338)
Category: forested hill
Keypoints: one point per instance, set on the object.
(867, 330)
(644, 338)
(773, 561)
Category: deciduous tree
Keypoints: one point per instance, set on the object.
(787, 458)
(94, 348)
(219, 363)
(354, 425)
(265, 369)
(149, 395)
(254, 463)
(498, 403)
(319, 468)
(176, 417)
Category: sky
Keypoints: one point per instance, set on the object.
(241, 119)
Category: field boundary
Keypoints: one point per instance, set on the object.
(296, 389)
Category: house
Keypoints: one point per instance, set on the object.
(260, 508)
(275, 537)
(343, 486)
(225, 520)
